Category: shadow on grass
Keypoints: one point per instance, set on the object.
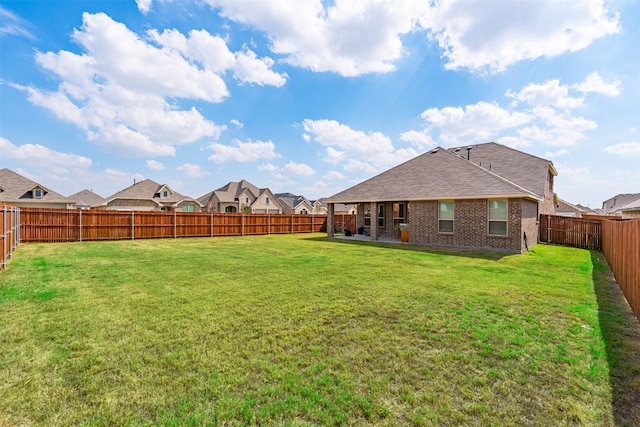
(621, 334)
(467, 253)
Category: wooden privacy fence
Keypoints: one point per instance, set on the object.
(10, 233)
(621, 248)
(570, 231)
(65, 225)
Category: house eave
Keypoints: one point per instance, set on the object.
(432, 198)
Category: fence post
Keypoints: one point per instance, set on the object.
(80, 225)
(211, 224)
(133, 227)
(4, 238)
(548, 228)
(19, 235)
(12, 226)
(175, 220)
(268, 223)
(242, 225)
(313, 227)
(291, 223)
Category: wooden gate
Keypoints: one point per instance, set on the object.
(569, 231)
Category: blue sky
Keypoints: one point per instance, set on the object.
(311, 96)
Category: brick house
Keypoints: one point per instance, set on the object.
(485, 196)
(241, 196)
(19, 191)
(148, 195)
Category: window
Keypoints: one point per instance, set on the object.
(188, 208)
(367, 215)
(399, 214)
(380, 215)
(445, 217)
(246, 200)
(498, 217)
(165, 194)
(37, 193)
(267, 200)
(303, 212)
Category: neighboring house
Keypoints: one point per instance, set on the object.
(16, 190)
(485, 196)
(292, 204)
(614, 205)
(148, 195)
(318, 207)
(631, 210)
(86, 198)
(564, 208)
(241, 196)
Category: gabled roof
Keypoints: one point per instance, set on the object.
(523, 169)
(633, 206)
(87, 198)
(231, 192)
(437, 174)
(566, 207)
(292, 200)
(618, 201)
(17, 188)
(149, 190)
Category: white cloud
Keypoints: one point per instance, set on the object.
(624, 149)
(594, 83)
(474, 123)
(144, 6)
(122, 89)
(298, 169)
(355, 150)
(269, 167)
(558, 153)
(39, 156)
(334, 175)
(418, 139)
(193, 171)
(243, 151)
(549, 93)
(237, 123)
(349, 38)
(157, 166)
(251, 69)
(12, 24)
(491, 36)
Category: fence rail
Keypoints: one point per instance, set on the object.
(570, 231)
(10, 233)
(65, 225)
(621, 248)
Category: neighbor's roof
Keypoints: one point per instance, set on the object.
(291, 199)
(148, 190)
(231, 191)
(87, 198)
(618, 201)
(437, 174)
(564, 206)
(17, 188)
(633, 206)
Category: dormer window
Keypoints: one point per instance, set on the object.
(165, 194)
(37, 193)
(267, 201)
(246, 200)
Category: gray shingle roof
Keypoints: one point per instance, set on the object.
(87, 198)
(148, 190)
(16, 187)
(523, 169)
(437, 174)
(618, 201)
(231, 191)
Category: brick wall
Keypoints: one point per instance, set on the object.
(547, 206)
(470, 225)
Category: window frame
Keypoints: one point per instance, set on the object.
(491, 220)
(367, 215)
(399, 214)
(381, 215)
(38, 193)
(442, 220)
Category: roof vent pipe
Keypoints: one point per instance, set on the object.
(469, 153)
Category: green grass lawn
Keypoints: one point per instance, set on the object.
(300, 330)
